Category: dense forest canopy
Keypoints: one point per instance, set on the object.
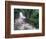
(31, 14)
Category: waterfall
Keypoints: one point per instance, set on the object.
(20, 24)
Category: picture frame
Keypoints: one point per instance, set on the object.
(10, 5)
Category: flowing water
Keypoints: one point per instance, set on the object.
(20, 23)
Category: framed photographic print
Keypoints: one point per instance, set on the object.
(24, 19)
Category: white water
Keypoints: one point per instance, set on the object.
(20, 23)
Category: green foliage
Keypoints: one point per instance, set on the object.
(35, 18)
(31, 14)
